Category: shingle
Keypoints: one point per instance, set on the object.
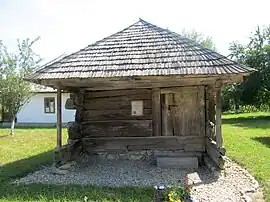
(142, 49)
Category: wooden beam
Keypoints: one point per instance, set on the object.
(218, 118)
(156, 112)
(59, 117)
(140, 82)
(179, 90)
(167, 143)
(201, 97)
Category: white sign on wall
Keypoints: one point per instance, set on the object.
(137, 108)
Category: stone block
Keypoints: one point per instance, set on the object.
(178, 162)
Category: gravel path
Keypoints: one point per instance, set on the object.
(226, 186)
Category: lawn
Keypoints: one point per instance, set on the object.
(247, 140)
(31, 148)
(246, 137)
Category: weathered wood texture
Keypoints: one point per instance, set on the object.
(109, 113)
(156, 112)
(167, 123)
(78, 101)
(184, 143)
(59, 118)
(117, 128)
(140, 82)
(183, 111)
(114, 114)
(215, 153)
(219, 139)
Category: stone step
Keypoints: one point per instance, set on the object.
(178, 162)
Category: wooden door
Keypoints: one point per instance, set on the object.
(183, 111)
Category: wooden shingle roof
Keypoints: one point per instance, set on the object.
(141, 49)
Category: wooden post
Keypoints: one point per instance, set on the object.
(201, 97)
(218, 118)
(156, 112)
(59, 117)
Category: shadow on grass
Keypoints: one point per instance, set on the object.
(249, 121)
(263, 140)
(24, 166)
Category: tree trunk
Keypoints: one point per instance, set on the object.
(12, 126)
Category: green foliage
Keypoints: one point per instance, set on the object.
(14, 67)
(199, 37)
(255, 90)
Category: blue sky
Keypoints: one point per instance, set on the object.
(67, 26)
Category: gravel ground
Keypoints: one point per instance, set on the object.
(208, 186)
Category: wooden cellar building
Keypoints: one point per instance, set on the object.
(143, 89)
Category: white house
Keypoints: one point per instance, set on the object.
(41, 109)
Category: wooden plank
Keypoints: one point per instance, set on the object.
(141, 143)
(179, 90)
(120, 102)
(120, 114)
(176, 162)
(59, 118)
(113, 128)
(116, 93)
(214, 153)
(218, 118)
(201, 102)
(79, 99)
(140, 82)
(167, 125)
(207, 125)
(185, 111)
(156, 112)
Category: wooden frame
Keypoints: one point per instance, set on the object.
(59, 118)
(47, 99)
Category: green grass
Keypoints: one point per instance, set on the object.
(31, 148)
(247, 140)
(246, 137)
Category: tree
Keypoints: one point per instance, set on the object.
(255, 90)
(14, 67)
(200, 38)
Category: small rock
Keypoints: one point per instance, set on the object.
(110, 156)
(247, 198)
(65, 166)
(58, 171)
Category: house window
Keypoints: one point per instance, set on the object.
(137, 108)
(49, 105)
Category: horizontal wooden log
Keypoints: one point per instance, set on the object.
(112, 128)
(214, 153)
(179, 89)
(89, 115)
(142, 143)
(121, 102)
(140, 82)
(116, 93)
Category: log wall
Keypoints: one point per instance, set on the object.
(108, 114)
(106, 122)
